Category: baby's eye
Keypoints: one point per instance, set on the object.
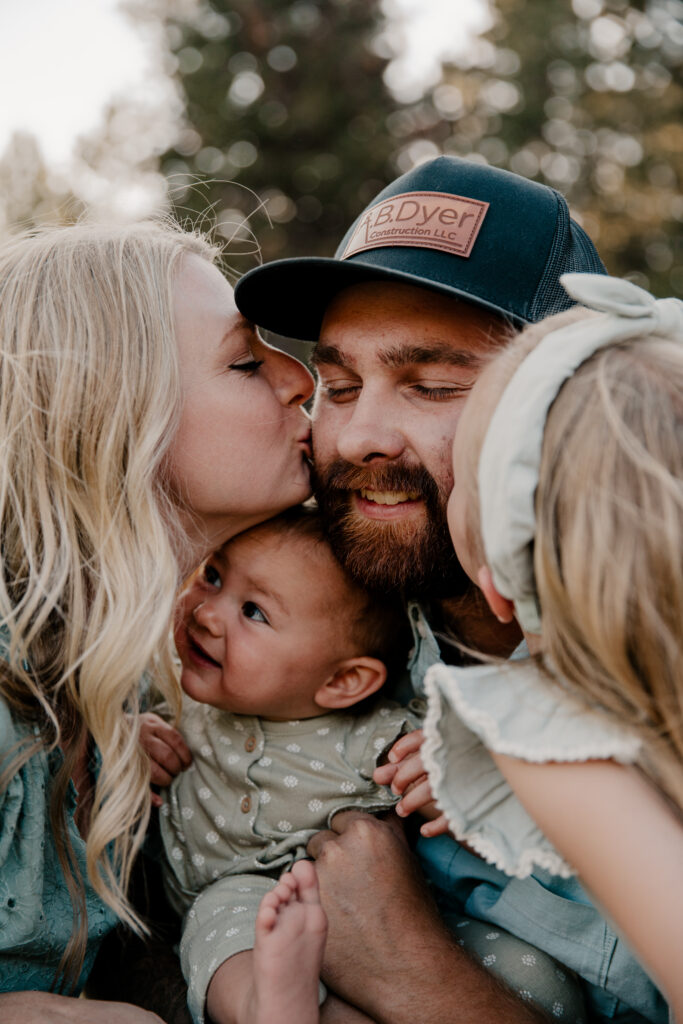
(253, 612)
(212, 576)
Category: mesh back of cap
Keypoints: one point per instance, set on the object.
(571, 250)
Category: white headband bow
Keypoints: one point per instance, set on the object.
(511, 453)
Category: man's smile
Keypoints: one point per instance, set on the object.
(388, 497)
(386, 504)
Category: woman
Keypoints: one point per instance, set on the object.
(142, 423)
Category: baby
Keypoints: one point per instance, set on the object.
(280, 652)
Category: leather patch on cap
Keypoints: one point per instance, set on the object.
(429, 220)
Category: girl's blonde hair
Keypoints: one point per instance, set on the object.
(608, 553)
(89, 403)
(608, 549)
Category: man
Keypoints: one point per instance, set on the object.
(426, 285)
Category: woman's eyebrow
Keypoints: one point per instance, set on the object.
(238, 332)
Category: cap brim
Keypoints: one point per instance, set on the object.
(290, 297)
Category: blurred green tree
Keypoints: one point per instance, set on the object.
(588, 98)
(286, 120)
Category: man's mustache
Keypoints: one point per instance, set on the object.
(416, 559)
(340, 475)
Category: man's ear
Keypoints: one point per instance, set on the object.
(353, 681)
(502, 607)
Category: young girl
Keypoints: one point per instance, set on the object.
(575, 434)
(142, 422)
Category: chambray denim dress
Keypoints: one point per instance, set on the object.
(547, 911)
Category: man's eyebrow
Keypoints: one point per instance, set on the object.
(401, 355)
(328, 354)
(434, 352)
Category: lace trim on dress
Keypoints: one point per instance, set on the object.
(492, 847)
(506, 708)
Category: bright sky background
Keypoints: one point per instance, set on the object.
(62, 60)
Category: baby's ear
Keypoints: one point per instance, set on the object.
(502, 607)
(353, 681)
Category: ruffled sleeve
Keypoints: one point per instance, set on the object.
(512, 709)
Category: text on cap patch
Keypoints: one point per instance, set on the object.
(431, 220)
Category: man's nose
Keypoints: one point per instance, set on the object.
(372, 432)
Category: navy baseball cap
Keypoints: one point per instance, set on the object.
(464, 229)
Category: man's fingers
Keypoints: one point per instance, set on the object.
(344, 819)
(340, 824)
(318, 841)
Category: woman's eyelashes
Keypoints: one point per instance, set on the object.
(249, 366)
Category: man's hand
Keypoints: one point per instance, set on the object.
(379, 911)
(388, 952)
(47, 1008)
(406, 775)
(167, 750)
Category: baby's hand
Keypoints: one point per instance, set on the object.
(166, 749)
(406, 775)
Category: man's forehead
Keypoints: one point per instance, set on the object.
(398, 324)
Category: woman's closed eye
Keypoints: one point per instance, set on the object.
(248, 366)
(251, 611)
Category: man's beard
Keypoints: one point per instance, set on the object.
(414, 556)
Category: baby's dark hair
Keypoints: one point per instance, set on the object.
(379, 622)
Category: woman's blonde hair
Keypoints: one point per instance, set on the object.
(608, 549)
(89, 403)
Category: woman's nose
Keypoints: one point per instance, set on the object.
(291, 381)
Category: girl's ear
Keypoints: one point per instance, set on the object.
(502, 607)
(353, 681)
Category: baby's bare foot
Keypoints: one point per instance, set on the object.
(291, 928)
